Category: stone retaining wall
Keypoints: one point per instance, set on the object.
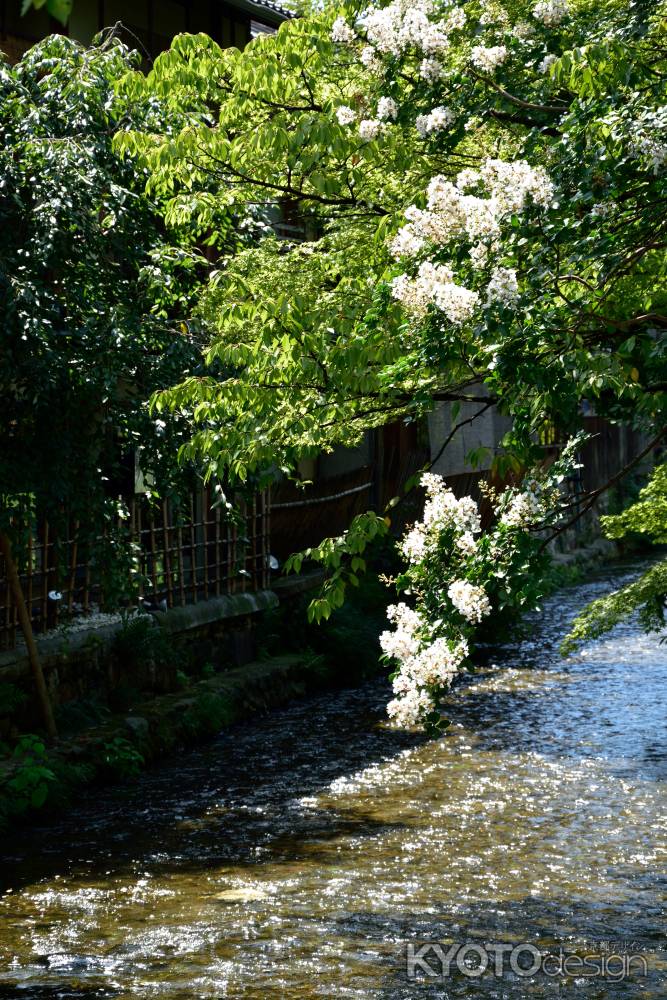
(90, 663)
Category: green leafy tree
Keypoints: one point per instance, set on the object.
(59, 9)
(481, 189)
(91, 291)
(92, 295)
(645, 596)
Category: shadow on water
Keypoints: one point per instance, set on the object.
(232, 802)
(296, 856)
(57, 993)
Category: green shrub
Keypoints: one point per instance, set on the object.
(207, 716)
(27, 784)
(121, 758)
(141, 640)
(11, 698)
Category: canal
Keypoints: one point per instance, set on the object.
(315, 852)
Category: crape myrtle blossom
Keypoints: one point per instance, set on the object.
(523, 30)
(479, 254)
(402, 644)
(458, 576)
(341, 32)
(467, 178)
(369, 128)
(452, 213)
(547, 63)
(503, 287)
(369, 59)
(512, 183)
(529, 506)
(494, 16)
(442, 511)
(435, 120)
(433, 666)
(428, 662)
(433, 285)
(487, 59)
(469, 600)
(551, 12)
(466, 543)
(387, 109)
(345, 115)
(407, 242)
(523, 510)
(411, 708)
(408, 24)
(430, 70)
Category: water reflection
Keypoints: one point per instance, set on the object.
(297, 856)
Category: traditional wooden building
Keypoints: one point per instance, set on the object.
(149, 25)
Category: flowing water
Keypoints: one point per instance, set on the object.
(300, 856)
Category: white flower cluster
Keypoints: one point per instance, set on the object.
(434, 285)
(488, 59)
(369, 128)
(341, 32)
(430, 69)
(503, 287)
(478, 254)
(547, 63)
(403, 642)
(452, 213)
(521, 510)
(426, 665)
(469, 600)
(387, 109)
(429, 651)
(551, 12)
(523, 31)
(433, 666)
(442, 510)
(467, 178)
(345, 115)
(494, 15)
(408, 24)
(370, 60)
(466, 544)
(653, 150)
(411, 708)
(435, 120)
(512, 182)
(420, 669)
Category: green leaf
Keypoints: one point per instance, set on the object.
(60, 9)
(39, 796)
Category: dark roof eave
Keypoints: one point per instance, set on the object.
(263, 10)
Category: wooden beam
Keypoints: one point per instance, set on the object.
(26, 627)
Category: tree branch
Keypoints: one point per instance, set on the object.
(513, 118)
(547, 109)
(602, 489)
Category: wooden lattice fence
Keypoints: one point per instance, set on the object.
(181, 556)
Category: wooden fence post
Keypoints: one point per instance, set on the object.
(26, 627)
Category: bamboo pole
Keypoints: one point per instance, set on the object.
(26, 626)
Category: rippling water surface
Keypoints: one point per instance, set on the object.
(300, 855)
